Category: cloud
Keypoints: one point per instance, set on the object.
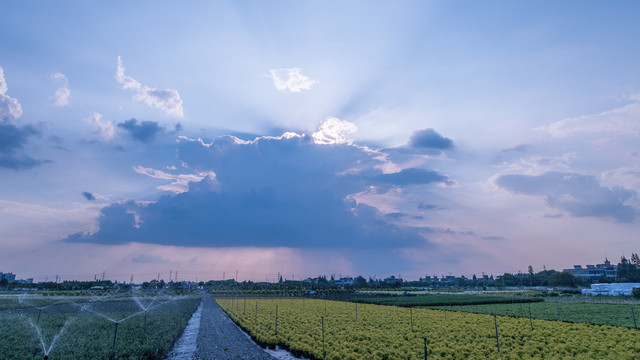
(167, 100)
(430, 139)
(412, 176)
(334, 131)
(517, 149)
(579, 195)
(103, 129)
(180, 182)
(13, 139)
(285, 191)
(61, 96)
(553, 216)
(429, 207)
(621, 121)
(89, 196)
(290, 80)
(10, 109)
(144, 131)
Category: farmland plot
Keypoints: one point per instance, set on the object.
(359, 331)
(99, 328)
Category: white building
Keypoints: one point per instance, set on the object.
(611, 289)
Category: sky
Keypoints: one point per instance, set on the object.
(411, 138)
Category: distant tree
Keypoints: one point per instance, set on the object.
(635, 260)
(4, 282)
(563, 279)
(636, 292)
(360, 282)
(604, 279)
(509, 280)
(627, 271)
(530, 271)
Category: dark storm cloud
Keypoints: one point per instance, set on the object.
(146, 131)
(430, 139)
(411, 176)
(579, 195)
(273, 191)
(12, 140)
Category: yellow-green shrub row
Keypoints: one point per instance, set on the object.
(384, 332)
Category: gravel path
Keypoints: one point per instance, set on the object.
(221, 339)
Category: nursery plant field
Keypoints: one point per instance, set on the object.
(578, 312)
(444, 300)
(338, 331)
(119, 327)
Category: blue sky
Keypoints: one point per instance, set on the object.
(313, 138)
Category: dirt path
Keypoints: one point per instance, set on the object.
(219, 338)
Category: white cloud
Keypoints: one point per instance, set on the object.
(103, 129)
(537, 165)
(180, 182)
(625, 177)
(167, 100)
(291, 80)
(334, 131)
(620, 121)
(61, 96)
(10, 109)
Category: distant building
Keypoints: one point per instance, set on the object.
(392, 280)
(448, 279)
(592, 273)
(345, 281)
(614, 289)
(10, 277)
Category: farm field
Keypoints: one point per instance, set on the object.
(577, 312)
(385, 332)
(144, 327)
(444, 300)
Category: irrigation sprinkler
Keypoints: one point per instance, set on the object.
(411, 316)
(115, 336)
(530, 321)
(276, 320)
(356, 311)
(325, 306)
(244, 311)
(634, 319)
(495, 322)
(425, 348)
(324, 355)
(39, 312)
(558, 305)
(145, 323)
(445, 314)
(256, 320)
